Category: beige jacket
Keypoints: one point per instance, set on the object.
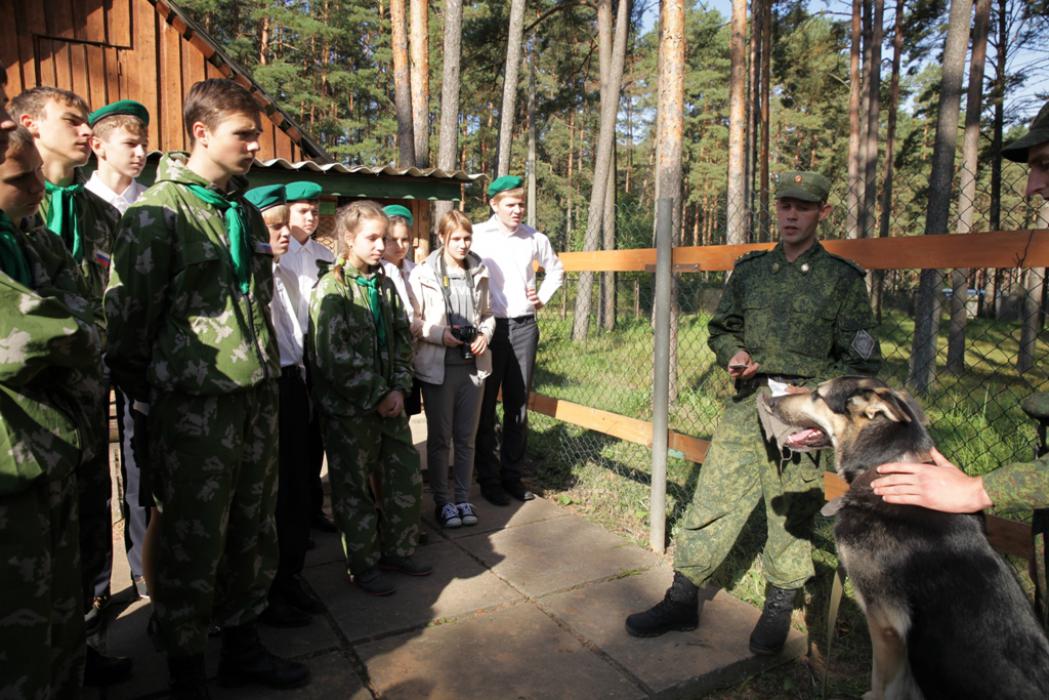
(429, 349)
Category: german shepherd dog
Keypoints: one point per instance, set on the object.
(946, 616)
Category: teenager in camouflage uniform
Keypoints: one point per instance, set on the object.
(359, 352)
(49, 356)
(798, 315)
(190, 333)
(943, 486)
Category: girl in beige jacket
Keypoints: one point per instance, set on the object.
(454, 326)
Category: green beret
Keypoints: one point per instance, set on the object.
(1035, 136)
(393, 210)
(804, 185)
(128, 107)
(504, 183)
(302, 191)
(266, 196)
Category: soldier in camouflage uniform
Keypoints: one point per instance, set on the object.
(57, 120)
(359, 354)
(796, 315)
(50, 376)
(190, 334)
(1019, 486)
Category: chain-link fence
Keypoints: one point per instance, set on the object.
(987, 352)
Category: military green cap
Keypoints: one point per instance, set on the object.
(1035, 136)
(302, 191)
(802, 184)
(266, 196)
(126, 107)
(393, 210)
(504, 183)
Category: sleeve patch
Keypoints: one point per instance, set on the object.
(863, 344)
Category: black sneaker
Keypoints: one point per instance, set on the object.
(374, 582)
(770, 634)
(299, 595)
(141, 589)
(410, 566)
(245, 660)
(495, 494)
(516, 489)
(280, 613)
(677, 612)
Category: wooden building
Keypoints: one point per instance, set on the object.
(145, 50)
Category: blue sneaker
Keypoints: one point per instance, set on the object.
(448, 516)
(466, 513)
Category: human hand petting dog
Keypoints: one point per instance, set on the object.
(939, 486)
(742, 365)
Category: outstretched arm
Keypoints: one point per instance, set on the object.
(939, 486)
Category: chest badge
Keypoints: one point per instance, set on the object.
(775, 267)
(805, 268)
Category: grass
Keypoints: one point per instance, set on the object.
(975, 419)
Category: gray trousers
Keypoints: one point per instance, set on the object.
(452, 410)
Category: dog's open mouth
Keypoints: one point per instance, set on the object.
(807, 438)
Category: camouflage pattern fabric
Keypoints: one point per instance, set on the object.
(177, 320)
(809, 319)
(46, 349)
(1019, 486)
(214, 461)
(355, 449)
(98, 223)
(352, 372)
(741, 471)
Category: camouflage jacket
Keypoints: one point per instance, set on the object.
(98, 226)
(1019, 486)
(49, 362)
(810, 318)
(177, 319)
(350, 371)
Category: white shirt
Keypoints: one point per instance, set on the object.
(294, 276)
(119, 201)
(510, 257)
(399, 277)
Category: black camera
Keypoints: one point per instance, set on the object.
(465, 334)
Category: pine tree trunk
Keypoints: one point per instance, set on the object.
(513, 64)
(870, 146)
(967, 185)
(927, 307)
(890, 146)
(449, 128)
(402, 90)
(602, 164)
(853, 202)
(764, 223)
(736, 205)
(420, 79)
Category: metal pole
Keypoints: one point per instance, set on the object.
(661, 378)
(533, 206)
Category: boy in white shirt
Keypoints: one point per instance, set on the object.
(510, 249)
(298, 272)
(120, 141)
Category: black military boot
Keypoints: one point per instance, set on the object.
(770, 634)
(245, 660)
(188, 677)
(678, 611)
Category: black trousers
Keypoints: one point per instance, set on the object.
(294, 475)
(137, 498)
(513, 361)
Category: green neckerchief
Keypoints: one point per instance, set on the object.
(62, 217)
(238, 238)
(12, 257)
(372, 285)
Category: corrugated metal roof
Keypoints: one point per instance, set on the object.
(376, 170)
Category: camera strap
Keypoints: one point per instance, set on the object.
(445, 282)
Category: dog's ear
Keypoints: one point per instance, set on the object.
(880, 402)
(909, 404)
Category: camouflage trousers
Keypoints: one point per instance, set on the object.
(96, 518)
(214, 462)
(741, 472)
(41, 607)
(357, 447)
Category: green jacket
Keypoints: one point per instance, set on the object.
(98, 225)
(1019, 486)
(810, 318)
(177, 319)
(49, 361)
(351, 372)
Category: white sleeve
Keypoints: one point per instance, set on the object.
(555, 272)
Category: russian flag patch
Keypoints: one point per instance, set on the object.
(265, 248)
(102, 259)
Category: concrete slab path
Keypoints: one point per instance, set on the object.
(528, 604)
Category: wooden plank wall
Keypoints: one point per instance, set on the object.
(108, 50)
